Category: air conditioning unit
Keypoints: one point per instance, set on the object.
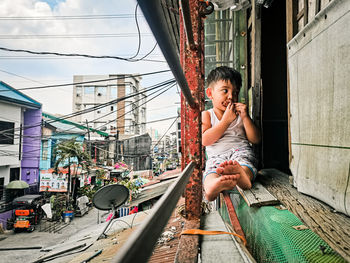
(234, 5)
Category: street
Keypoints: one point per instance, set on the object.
(43, 239)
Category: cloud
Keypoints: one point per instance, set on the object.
(57, 70)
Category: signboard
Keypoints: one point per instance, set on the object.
(53, 182)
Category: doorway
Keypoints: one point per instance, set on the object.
(275, 153)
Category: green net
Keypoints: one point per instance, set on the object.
(272, 238)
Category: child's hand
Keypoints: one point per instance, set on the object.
(229, 114)
(241, 109)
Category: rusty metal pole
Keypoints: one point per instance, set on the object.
(192, 61)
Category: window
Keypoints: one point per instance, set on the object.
(2, 180)
(113, 92)
(112, 108)
(101, 91)
(128, 90)
(14, 174)
(78, 91)
(128, 108)
(45, 150)
(7, 132)
(89, 90)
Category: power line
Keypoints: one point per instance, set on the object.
(8, 152)
(53, 57)
(51, 36)
(148, 122)
(119, 109)
(93, 108)
(165, 86)
(13, 74)
(136, 107)
(77, 17)
(75, 55)
(94, 81)
(138, 32)
(118, 99)
(165, 133)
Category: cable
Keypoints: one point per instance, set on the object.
(117, 100)
(92, 108)
(53, 57)
(139, 33)
(159, 120)
(136, 107)
(13, 74)
(119, 109)
(66, 36)
(74, 114)
(93, 81)
(80, 17)
(149, 52)
(165, 86)
(75, 55)
(164, 133)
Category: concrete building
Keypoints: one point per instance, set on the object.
(127, 116)
(20, 139)
(20, 133)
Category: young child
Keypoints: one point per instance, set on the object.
(227, 130)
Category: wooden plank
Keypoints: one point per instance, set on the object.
(306, 12)
(300, 14)
(220, 248)
(331, 226)
(258, 196)
(187, 251)
(256, 71)
(318, 6)
(292, 27)
(291, 17)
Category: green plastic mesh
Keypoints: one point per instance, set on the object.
(271, 237)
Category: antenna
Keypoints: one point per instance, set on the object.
(110, 197)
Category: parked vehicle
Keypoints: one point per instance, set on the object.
(27, 212)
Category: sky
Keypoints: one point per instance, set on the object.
(38, 25)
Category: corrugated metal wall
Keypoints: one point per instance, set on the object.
(319, 67)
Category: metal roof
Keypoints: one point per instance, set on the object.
(13, 96)
(69, 126)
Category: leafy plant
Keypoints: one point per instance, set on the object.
(100, 174)
(133, 185)
(69, 152)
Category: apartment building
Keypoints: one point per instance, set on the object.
(127, 116)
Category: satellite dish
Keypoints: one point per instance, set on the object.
(110, 197)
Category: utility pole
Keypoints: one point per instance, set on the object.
(88, 144)
(116, 152)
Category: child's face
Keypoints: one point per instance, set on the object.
(222, 93)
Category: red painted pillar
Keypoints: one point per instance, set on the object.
(192, 61)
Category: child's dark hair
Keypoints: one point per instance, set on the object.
(225, 73)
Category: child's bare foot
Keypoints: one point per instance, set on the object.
(214, 184)
(229, 167)
(233, 167)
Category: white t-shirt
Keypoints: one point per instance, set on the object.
(234, 137)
